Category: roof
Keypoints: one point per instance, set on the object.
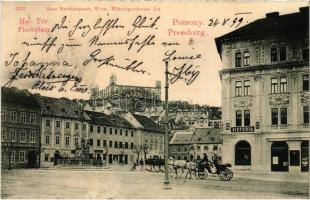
(136, 87)
(17, 96)
(60, 107)
(107, 120)
(181, 137)
(206, 136)
(148, 124)
(294, 24)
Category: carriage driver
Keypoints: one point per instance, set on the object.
(205, 162)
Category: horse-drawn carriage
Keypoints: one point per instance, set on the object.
(201, 169)
(222, 170)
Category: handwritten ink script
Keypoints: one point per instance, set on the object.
(57, 52)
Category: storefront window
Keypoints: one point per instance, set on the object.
(243, 153)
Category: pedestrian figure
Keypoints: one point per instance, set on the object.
(133, 167)
(141, 164)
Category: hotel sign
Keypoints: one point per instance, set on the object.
(242, 129)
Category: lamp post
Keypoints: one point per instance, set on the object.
(195, 149)
(166, 182)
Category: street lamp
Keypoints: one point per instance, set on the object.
(166, 181)
(195, 149)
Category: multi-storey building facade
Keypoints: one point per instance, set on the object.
(150, 136)
(265, 94)
(64, 128)
(111, 138)
(205, 141)
(192, 145)
(20, 129)
(179, 145)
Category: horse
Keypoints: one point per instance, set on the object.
(182, 165)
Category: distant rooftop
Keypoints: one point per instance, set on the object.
(17, 96)
(99, 118)
(206, 136)
(181, 137)
(148, 124)
(60, 107)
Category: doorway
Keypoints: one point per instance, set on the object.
(32, 159)
(279, 156)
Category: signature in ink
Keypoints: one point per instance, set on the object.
(133, 66)
(187, 72)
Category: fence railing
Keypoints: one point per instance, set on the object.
(79, 162)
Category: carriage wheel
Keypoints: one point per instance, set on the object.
(225, 175)
(201, 175)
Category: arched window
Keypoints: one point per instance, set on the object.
(238, 59)
(243, 153)
(246, 58)
(279, 156)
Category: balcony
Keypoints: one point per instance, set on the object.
(281, 126)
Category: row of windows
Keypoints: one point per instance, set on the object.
(58, 140)
(246, 59)
(278, 85)
(278, 117)
(198, 148)
(67, 124)
(276, 54)
(20, 159)
(246, 118)
(22, 117)
(106, 129)
(11, 136)
(104, 143)
(246, 88)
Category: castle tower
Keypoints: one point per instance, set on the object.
(113, 79)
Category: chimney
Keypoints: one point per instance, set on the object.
(272, 15)
(158, 84)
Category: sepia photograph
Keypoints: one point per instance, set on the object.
(155, 100)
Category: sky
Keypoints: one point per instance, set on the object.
(206, 89)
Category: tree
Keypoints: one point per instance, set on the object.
(138, 150)
(145, 149)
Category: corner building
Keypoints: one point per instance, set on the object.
(265, 94)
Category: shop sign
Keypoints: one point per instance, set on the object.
(242, 129)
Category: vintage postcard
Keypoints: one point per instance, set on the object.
(154, 100)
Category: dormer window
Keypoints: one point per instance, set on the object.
(238, 59)
(246, 58)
